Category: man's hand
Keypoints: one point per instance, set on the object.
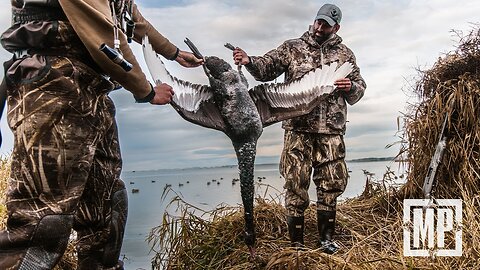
(188, 60)
(240, 57)
(163, 94)
(343, 84)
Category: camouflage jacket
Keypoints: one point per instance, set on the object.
(297, 57)
(77, 29)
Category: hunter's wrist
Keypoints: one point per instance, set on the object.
(148, 97)
(177, 52)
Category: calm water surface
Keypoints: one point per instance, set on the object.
(146, 206)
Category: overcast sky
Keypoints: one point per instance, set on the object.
(390, 38)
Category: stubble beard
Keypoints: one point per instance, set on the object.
(320, 39)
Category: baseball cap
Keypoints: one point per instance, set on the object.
(330, 13)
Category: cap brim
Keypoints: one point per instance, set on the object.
(327, 19)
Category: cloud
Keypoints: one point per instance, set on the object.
(390, 39)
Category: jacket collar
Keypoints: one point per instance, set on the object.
(332, 41)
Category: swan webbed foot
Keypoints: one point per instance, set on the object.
(253, 253)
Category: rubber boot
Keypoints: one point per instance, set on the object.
(326, 230)
(106, 257)
(296, 227)
(40, 250)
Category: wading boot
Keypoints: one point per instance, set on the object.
(105, 255)
(326, 229)
(40, 248)
(296, 226)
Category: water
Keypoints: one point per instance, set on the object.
(147, 206)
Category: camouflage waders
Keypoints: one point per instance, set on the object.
(324, 154)
(65, 168)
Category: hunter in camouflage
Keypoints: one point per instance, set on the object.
(66, 119)
(66, 159)
(313, 142)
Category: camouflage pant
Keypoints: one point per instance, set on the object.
(66, 156)
(324, 154)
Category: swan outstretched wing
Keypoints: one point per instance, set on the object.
(277, 102)
(194, 102)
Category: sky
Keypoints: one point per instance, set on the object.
(391, 39)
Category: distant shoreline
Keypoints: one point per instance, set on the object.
(372, 159)
(358, 160)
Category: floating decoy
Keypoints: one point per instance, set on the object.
(228, 105)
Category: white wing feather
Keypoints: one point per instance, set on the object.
(314, 84)
(188, 96)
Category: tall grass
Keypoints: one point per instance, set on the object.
(4, 174)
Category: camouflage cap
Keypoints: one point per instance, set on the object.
(330, 13)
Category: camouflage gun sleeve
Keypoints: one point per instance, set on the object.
(429, 181)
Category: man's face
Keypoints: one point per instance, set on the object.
(322, 30)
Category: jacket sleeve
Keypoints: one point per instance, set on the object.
(143, 28)
(269, 66)
(92, 22)
(358, 83)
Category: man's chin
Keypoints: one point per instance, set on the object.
(320, 39)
